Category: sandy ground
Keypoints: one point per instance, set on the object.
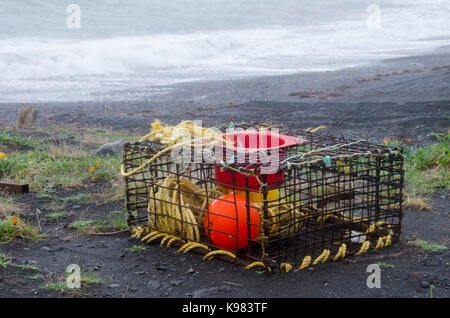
(162, 272)
(405, 98)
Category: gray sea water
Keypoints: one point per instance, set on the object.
(130, 49)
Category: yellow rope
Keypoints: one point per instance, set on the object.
(190, 245)
(175, 136)
(364, 247)
(145, 238)
(171, 207)
(380, 242)
(313, 130)
(137, 232)
(195, 245)
(155, 237)
(322, 258)
(182, 248)
(211, 255)
(373, 226)
(387, 240)
(173, 239)
(285, 267)
(254, 264)
(167, 237)
(305, 263)
(322, 218)
(341, 252)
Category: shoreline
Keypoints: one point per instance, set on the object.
(405, 97)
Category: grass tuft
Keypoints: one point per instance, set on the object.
(55, 286)
(58, 163)
(57, 215)
(16, 140)
(11, 225)
(428, 247)
(426, 170)
(385, 265)
(136, 248)
(81, 225)
(5, 260)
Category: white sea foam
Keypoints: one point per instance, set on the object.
(106, 59)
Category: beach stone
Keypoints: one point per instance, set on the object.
(113, 148)
(27, 117)
(205, 292)
(162, 268)
(226, 289)
(424, 284)
(176, 282)
(4, 149)
(154, 284)
(45, 248)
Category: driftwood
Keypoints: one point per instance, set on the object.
(377, 258)
(27, 117)
(14, 187)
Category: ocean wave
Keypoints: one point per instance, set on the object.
(316, 42)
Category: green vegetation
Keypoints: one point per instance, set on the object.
(90, 279)
(4, 260)
(117, 220)
(36, 277)
(39, 168)
(428, 247)
(15, 140)
(11, 225)
(385, 265)
(55, 286)
(45, 195)
(136, 248)
(81, 225)
(65, 158)
(87, 280)
(82, 197)
(426, 169)
(24, 267)
(57, 215)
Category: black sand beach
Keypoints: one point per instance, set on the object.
(405, 98)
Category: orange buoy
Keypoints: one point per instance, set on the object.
(226, 224)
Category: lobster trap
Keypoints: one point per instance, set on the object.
(324, 199)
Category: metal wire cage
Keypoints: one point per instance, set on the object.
(328, 198)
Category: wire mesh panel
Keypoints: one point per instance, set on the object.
(325, 199)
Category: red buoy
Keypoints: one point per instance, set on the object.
(226, 224)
